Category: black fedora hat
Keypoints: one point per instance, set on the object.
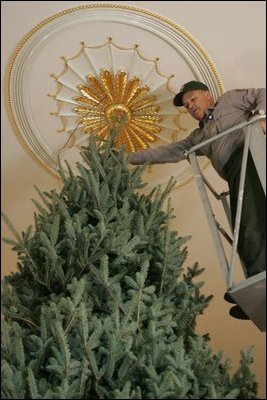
(188, 87)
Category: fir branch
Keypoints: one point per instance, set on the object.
(26, 235)
(32, 384)
(96, 161)
(54, 232)
(11, 315)
(61, 338)
(84, 376)
(12, 382)
(71, 321)
(12, 228)
(61, 206)
(125, 392)
(83, 324)
(12, 243)
(233, 394)
(92, 359)
(71, 175)
(140, 278)
(42, 195)
(45, 341)
(41, 209)
(102, 225)
(61, 171)
(165, 248)
(155, 207)
(91, 185)
(19, 351)
(112, 350)
(79, 292)
(70, 232)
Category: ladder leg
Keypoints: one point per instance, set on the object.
(209, 215)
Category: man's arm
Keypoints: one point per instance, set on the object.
(173, 152)
(250, 99)
(258, 97)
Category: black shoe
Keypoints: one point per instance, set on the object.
(229, 298)
(237, 312)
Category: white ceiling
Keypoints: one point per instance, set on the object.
(233, 35)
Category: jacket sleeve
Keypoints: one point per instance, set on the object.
(173, 152)
(253, 99)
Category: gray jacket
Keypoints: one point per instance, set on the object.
(232, 108)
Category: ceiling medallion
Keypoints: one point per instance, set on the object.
(108, 66)
(106, 100)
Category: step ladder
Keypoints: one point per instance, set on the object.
(249, 294)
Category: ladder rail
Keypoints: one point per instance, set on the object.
(228, 269)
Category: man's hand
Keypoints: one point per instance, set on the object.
(263, 125)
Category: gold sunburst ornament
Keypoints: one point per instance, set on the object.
(112, 101)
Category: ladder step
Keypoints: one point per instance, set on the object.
(250, 295)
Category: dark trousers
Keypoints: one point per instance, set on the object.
(252, 234)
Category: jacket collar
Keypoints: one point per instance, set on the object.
(208, 116)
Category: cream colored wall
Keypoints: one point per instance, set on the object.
(236, 43)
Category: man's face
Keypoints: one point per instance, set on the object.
(197, 102)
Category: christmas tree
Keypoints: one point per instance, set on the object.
(100, 306)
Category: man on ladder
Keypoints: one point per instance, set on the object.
(231, 109)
